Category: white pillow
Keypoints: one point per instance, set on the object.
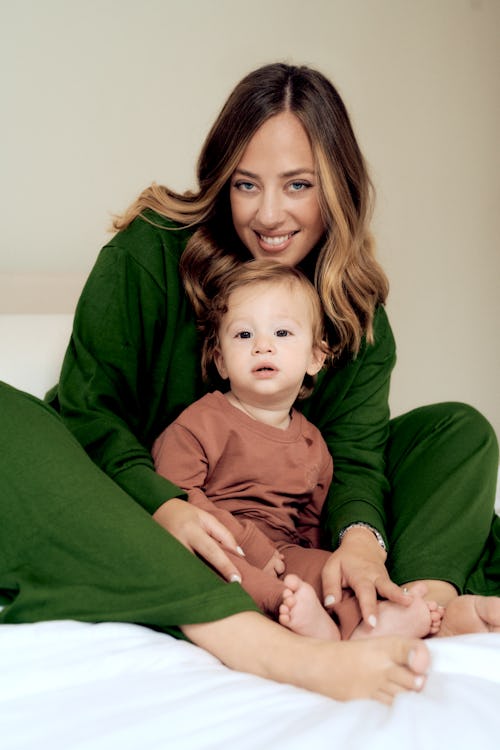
(32, 348)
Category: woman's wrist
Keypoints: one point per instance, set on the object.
(361, 524)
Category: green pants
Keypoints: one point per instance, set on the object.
(73, 545)
(442, 462)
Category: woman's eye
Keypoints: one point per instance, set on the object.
(299, 185)
(245, 187)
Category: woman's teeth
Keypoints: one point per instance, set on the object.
(274, 241)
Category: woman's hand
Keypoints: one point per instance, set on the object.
(359, 563)
(201, 533)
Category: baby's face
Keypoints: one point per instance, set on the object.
(266, 342)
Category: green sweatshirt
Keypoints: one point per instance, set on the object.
(132, 366)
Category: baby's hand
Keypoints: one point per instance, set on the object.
(275, 565)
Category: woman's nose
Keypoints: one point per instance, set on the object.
(270, 208)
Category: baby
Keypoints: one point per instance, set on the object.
(254, 461)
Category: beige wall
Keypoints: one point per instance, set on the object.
(100, 97)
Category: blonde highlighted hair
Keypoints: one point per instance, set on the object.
(349, 280)
(249, 274)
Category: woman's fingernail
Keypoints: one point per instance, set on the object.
(235, 578)
(419, 682)
(372, 621)
(329, 600)
(240, 552)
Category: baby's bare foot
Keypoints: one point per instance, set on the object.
(471, 614)
(419, 588)
(418, 619)
(437, 613)
(302, 611)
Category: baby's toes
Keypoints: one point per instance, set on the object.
(438, 614)
(284, 619)
(436, 620)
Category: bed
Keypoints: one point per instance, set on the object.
(66, 685)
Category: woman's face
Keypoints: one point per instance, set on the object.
(274, 193)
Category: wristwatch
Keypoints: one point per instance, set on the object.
(378, 535)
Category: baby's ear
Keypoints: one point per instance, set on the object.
(318, 358)
(220, 365)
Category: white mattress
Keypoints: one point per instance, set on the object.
(66, 685)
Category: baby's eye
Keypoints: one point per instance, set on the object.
(243, 335)
(283, 332)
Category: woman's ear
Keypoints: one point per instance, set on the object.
(318, 357)
(220, 365)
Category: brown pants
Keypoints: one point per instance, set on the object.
(306, 562)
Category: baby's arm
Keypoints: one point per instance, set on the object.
(179, 456)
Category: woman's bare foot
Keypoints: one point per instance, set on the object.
(471, 613)
(302, 611)
(419, 619)
(378, 668)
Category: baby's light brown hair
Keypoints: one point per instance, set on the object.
(248, 274)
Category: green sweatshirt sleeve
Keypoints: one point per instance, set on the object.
(350, 407)
(129, 368)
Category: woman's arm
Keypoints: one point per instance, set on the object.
(350, 406)
(131, 366)
(132, 361)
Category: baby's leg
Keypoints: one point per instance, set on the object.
(302, 611)
(417, 620)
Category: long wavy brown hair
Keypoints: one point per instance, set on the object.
(348, 278)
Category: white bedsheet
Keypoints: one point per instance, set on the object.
(66, 685)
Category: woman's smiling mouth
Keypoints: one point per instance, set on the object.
(274, 242)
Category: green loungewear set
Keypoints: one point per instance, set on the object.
(74, 544)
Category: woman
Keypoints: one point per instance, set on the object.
(280, 175)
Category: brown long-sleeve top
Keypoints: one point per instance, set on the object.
(269, 484)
